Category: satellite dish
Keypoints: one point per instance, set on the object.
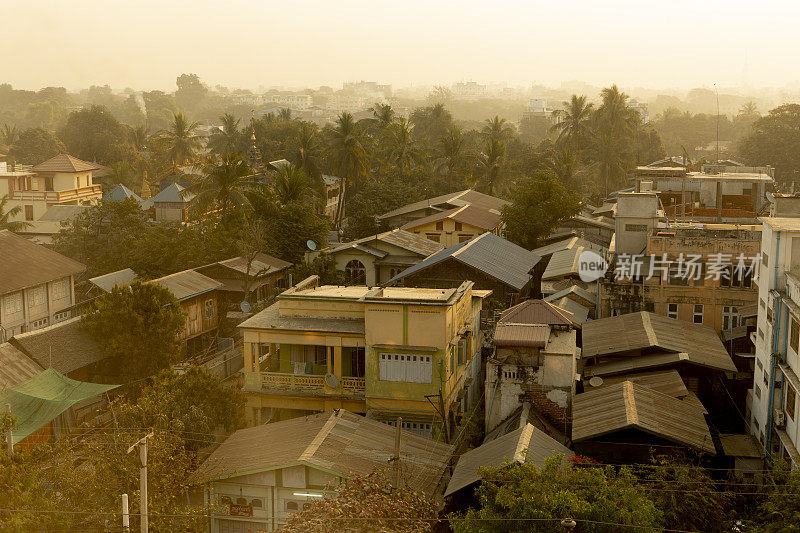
(331, 381)
(311, 245)
(245, 306)
(596, 381)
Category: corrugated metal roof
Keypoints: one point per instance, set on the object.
(580, 313)
(411, 242)
(536, 312)
(586, 295)
(120, 193)
(261, 264)
(106, 282)
(473, 215)
(15, 366)
(488, 253)
(446, 201)
(667, 382)
(634, 332)
(187, 284)
(531, 335)
(627, 405)
(64, 163)
(174, 194)
(527, 444)
(336, 441)
(25, 264)
(39, 400)
(64, 346)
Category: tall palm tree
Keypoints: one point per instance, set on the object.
(614, 115)
(8, 135)
(490, 165)
(7, 215)
(347, 153)
(431, 122)
(307, 156)
(497, 129)
(452, 152)
(610, 156)
(180, 143)
(228, 140)
(290, 184)
(574, 122)
(383, 114)
(224, 186)
(401, 149)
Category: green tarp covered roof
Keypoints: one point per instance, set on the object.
(38, 401)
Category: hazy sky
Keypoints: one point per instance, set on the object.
(247, 43)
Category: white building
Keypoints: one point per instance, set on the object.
(772, 402)
(301, 102)
(37, 285)
(640, 108)
(469, 90)
(61, 180)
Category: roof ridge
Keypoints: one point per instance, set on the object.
(320, 437)
(630, 402)
(469, 243)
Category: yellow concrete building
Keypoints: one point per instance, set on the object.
(457, 225)
(384, 352)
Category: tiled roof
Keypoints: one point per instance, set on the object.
(25, 264)
(64, 163)
(536, 312)
(469, 214)
(488, 253)
(335, 441)
(64, 346)
(173, 194)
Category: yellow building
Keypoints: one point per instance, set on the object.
(384, 352)
(457, 225)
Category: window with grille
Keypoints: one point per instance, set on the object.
(672, 311)
(697, 316)
(791, 398)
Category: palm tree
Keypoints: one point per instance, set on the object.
(9, 134)
(610, 156)
(347, 152)
(308, 152)
(573, 124)
(383, 114)
(563, 163)
(227, 140)
(497, 129)
(180, 143)
(139, 137)
(490, 165)
(6, 216)
(452, 151)
(290, 184)
(401, 149)
(614, 115)
(431, 122)
(224, 186)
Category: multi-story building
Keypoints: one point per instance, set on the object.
(701, 273)
(383, 352)
(718, 193)
(37, 285)
(61, 180)
(300, 102)
(469, 90)
(772, 402)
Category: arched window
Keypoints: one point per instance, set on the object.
(355, 273)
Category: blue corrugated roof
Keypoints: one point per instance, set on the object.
(120, 193)
(492, 255)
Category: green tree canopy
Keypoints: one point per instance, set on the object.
(775, 141)
(35, 145)
(539, 204)
(94, 134)
(138, 328)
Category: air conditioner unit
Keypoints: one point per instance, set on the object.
(780, 419)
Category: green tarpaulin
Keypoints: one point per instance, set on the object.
(38, 401)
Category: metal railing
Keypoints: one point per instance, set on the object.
(286, 381)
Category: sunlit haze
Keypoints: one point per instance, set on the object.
(252, 44)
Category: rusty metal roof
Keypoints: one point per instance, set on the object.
(25, 264)
(15, 366)
(335, 441)
(400, 238)
(532, 335)
(536, 312)
(631, 333)
(448, 201)
(187, 284)
(64, 163)
(627, 405)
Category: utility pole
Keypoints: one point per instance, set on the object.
(9, 431)
(126, 517)
(141, 444)
(397, 452)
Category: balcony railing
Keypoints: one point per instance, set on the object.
(58, 196)
(303, 382)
